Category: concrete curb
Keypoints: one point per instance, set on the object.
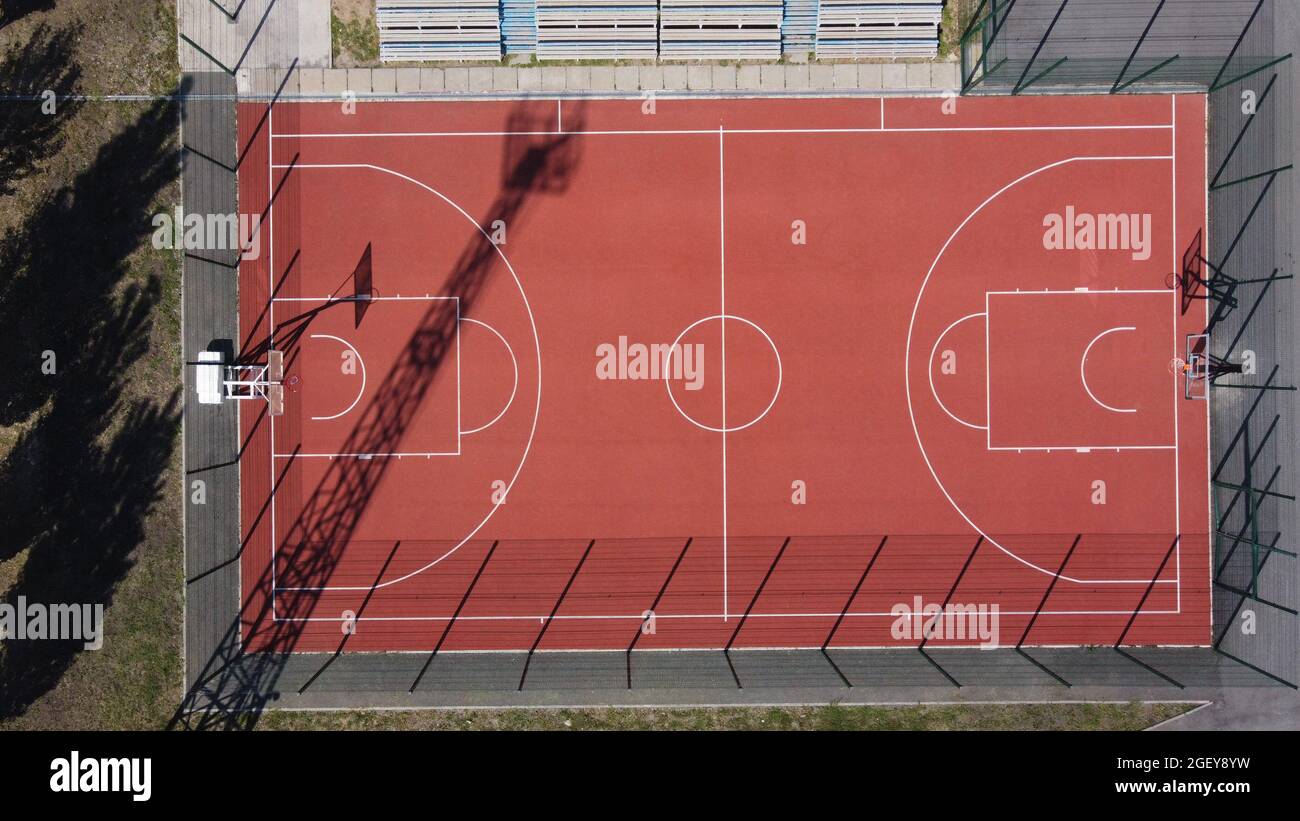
(813, 78)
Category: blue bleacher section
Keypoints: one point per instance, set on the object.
(799, 25)
(519, 26)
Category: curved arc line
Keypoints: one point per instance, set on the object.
(360, 392)
(513, 390)
(668, 362)
(1083, 377)
(930, 372)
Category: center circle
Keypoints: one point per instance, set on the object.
(676, 350)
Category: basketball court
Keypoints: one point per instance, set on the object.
(588, 375)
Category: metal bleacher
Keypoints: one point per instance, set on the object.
(519, 26)
(720, 29)
(451, 30)
(879, 28)
(438, 29)
(596, 29)
(799, 25)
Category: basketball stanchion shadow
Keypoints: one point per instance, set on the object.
(235, 686)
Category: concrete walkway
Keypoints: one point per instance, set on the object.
(253, 34)
(1242, 708)
(925, 78)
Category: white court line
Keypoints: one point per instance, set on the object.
(907, 357)
(361, 391)
(513, 390)
(753, 131)
(460, 419)
(1177, 264)
(930, 371)
(1082, 448)
(270, 316)
(711, 616)
(1083, 377)
(1086, 291)
(1209, 437)
(700, 132)
(722, 261)
(423, 454)
(395, 298)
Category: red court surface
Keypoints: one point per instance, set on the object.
(783, 373)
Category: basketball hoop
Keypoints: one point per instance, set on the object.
(217, 381)
(1189, 281)
(1177, 366)
(1197, 367)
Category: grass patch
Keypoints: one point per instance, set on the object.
(956, 16)
(1134, 716)
(354, 39)
(98, 444)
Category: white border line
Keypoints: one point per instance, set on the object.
(882, 129)
(708, 616)
(709, 132)
(393, 454)
(1079, 448)
(270, 317)
(1209, 435)
(1177, 306)
(396, 298)
(702, 705)
(722, 265)
(1083, 291)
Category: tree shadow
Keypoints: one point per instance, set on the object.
(90, 464)
(15, 10)
(30, 131)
